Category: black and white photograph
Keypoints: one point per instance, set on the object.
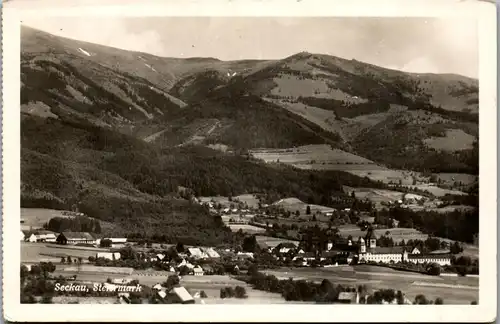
(265, 160)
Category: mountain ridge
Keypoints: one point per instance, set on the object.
(146, 125)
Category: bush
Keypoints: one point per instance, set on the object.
(105, 243)
(434, 269)
(240, 292)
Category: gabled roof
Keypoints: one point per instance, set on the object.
(211, 253)
(347, 295)
(182, 294)
(43, 232)
(387, 250)
(78, 236)
(195, 252)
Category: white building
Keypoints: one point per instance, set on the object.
(198, 271)
(396, 254)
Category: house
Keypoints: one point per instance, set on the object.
(306, 256)
(441, 259)
(244, 255)
(182, 296)
(198, 271)
(116, 242)
(45, 236)
(157, 287)
(196, 253)
(211, 253)
(22, 236)
(31, 238)
(285, 247)
(346, 297)
(108, 255)
(75, 238)
(40, 236)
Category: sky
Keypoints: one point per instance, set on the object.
(422, 45)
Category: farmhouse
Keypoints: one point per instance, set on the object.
(198, 271)
(346, 297)
(196, 253)
(41, 236)
(75, 238)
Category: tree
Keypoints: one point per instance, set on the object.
(105, 243)
(297, 213)
(180, 247)
(68, 259)
(172, 281)
(240, 292)
(97, 227)
(438, 301)
(250, 244)
(203, 294)
(63, 260)
(421, 300)
(314, 218)
(456, 248)
(308, 210)
(434, 269)
(183, 270)
(80, 260)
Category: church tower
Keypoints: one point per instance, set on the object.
(362, 246)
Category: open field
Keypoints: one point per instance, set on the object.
(387, 176)
(301, 221)
(216, 199)
(453, 290)
(249, 199)
(36, 217)
(397, 234)
(318, 156)
(36, 252)
(250, 229)
(212, 285)
(376, 196)
(438, 192)
(451, 178)
(273, 241)
(83, 300)
(294, 204)
(454, 140)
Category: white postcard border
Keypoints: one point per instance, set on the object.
(485, 311)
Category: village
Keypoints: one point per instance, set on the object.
(302, 248)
